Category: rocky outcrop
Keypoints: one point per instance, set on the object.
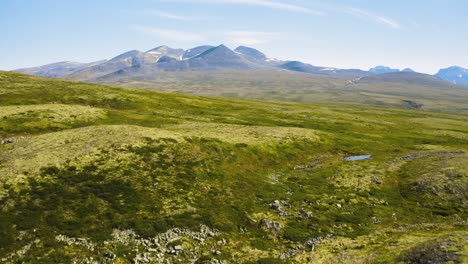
(10, 140)
(270, 225)
(158, 249)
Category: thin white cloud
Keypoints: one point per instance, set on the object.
(265, 3)
(169, 15)
(167, 34)
(363, 13)
(249, 37)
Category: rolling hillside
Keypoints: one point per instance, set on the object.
(99, 174)
(429, 92)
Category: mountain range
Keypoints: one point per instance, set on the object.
(385, 69)
(210, 59)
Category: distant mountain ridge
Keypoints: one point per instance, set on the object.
(213, 58)
(413, 78)
(58, 69)
(385, 69)
(308, 68)
(454, 74)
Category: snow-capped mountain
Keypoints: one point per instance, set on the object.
(454, 74)
(211, 58)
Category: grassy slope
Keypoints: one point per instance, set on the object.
(301, 87)
(86, 160)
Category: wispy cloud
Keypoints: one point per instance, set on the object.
(249, 37)
(167, 34)
(380, 19)
(265, 3)
(169, 15)
(163, 14)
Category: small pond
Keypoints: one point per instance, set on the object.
(362, 157)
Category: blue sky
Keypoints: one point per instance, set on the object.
(421, 34)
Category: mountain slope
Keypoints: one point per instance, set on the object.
(454, 74)
(383, 69)
(161, 51)
(163, 54)
(411, 78)
(130, 59)
(308, 68)
(58, 69)
(251, 54)
(105, 174)
(165, 59)
(190, 53)
(219, 58)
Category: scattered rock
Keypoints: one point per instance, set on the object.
(276, 205)
(376, 180)
(275, 178)
(11, 140)
(271, 225)
(290, 254)
(142, 258)
(110, 255)
(304, 214)
(413, 156)
(156, 249)
(178, 247)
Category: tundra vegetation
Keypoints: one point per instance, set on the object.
(98, 174)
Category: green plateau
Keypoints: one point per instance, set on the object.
(99, 174)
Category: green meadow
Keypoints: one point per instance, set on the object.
(421, 92)
(99, 174)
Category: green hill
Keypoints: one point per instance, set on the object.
(98, 174)
(404, 90)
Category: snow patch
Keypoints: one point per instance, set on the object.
(188, 58)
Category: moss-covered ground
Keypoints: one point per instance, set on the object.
(98, 174)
